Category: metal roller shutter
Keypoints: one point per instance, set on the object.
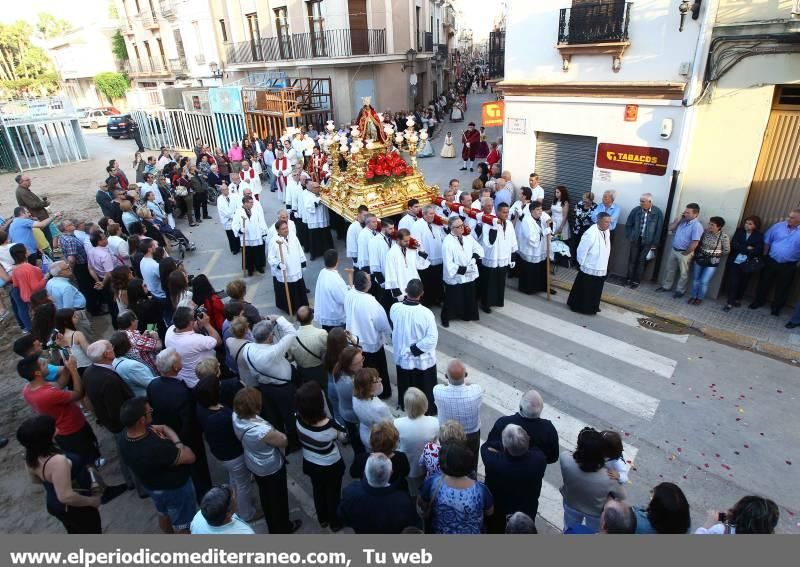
(563, 159)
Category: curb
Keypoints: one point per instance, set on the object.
(715, 333)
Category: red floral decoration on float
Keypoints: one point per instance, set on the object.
(386, 166)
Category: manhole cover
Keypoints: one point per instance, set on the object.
(662, 326)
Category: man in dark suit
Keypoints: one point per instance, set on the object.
(104, 387)
(542, 433)
(643, 231)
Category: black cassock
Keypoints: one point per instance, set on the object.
(493, 286)
(460, 302)
(432, 284)
(319, 240)
(532, 277)
(586, 293)
(297, 291)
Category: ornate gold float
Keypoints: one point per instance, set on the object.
(348, 189)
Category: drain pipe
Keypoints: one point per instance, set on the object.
(662, 239)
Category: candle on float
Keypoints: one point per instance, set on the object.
(410, 122)
(399, 138)
(423, 135)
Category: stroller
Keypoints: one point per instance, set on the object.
(176, 240)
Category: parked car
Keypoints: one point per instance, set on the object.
(119, 125)
(95, 118)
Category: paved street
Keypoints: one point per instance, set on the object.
(718, 421)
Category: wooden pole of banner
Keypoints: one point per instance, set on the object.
(548, 266)
(349, 275)
(285, 280)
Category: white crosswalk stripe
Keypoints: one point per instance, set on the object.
(593, 340)
(591, 383)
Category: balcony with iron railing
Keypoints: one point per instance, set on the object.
(424, 42)
(597, 28)
(200, 59)
(167, 8)
(147, 67)
(313, 45)
(179, 66)
(149, 18)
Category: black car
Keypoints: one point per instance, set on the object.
(118, 126)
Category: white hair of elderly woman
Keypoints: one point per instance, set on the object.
(520, 523)
(378, 470)
(166, 360)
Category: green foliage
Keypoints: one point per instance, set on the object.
(24, 68)
(112, 85)
(112, 10)
(48, 26)
(118, 47)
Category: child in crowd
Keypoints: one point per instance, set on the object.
(615, 462)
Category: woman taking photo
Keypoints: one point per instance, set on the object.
(452, 501)
(322, 461)
(714, 244)
(66, 323)
(368, 407)
(351, 361)
(747, 247)
(587, 483)
(203, 294)
(262, 446)
(71, 494)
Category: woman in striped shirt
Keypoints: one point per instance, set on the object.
(322, 461)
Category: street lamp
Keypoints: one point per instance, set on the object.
(411, 57)
(216, 72)
(685, 8)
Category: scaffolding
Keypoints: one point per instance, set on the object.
(38, 133)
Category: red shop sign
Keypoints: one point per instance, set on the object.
(636, 159)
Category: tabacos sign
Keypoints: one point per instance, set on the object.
(636, 159)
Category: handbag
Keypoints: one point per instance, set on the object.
(709, 258)
(425, 512)
(753, 264)
(181, 191)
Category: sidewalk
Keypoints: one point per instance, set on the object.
(747, 328)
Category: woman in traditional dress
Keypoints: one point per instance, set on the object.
(448, 148)
(483, 147)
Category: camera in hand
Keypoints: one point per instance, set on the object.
(199, 312)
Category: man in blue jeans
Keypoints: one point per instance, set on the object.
(687, 231)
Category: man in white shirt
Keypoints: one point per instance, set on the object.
(537, 192)
(217, 514)
(367, 320)
(283, 215)
(317, 219)
(364, 237)
(267, 161)
(379, 246)
(461, 255)
(152, 277)
(461, 402)
(414, 340)
(400, 266)
(329, 293)
(226, 209)
(266, 359)
(191, 345)
(248, 224)
(353, 231)
(287, 269)
(593, 253)
(411, 216)
(430, 237)
(499, 243)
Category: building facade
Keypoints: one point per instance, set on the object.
(394, 51)
(655, 96)
(81, 54)
(170, 42)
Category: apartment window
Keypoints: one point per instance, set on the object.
(316, 26)
(255, 35)
(161, 52)
(282, 28)
(176, 34)
(223, 30)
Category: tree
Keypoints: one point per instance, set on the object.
(48, 26)
(23, 66)
(112, 85)
(118, 47)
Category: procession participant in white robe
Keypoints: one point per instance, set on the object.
(316, 214)
(443, 210)
(308, 149)
(298, 206)
(378, 248)
(283, 215)
(367, 320)
(430, 237)
(249, 225)
(364, 237)
(518, 211)
(537, 191)
(292, 185)
(226, 209)
(268, 161)
(248, 178)
(299, 147)
(411, 216)
(593, 253)
(294, 262)
(290, 153)
(461, 256)
(400, 265)
(465, 200)
(533, 229)
(329, 293)
(486, 207)
(414, 341)
(353, 231)
(241, 194)
(499, 243)
(282, 171)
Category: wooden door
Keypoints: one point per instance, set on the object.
(359, 34)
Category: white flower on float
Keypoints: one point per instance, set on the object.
(413, 139)
(410, 122)
(399, 138)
